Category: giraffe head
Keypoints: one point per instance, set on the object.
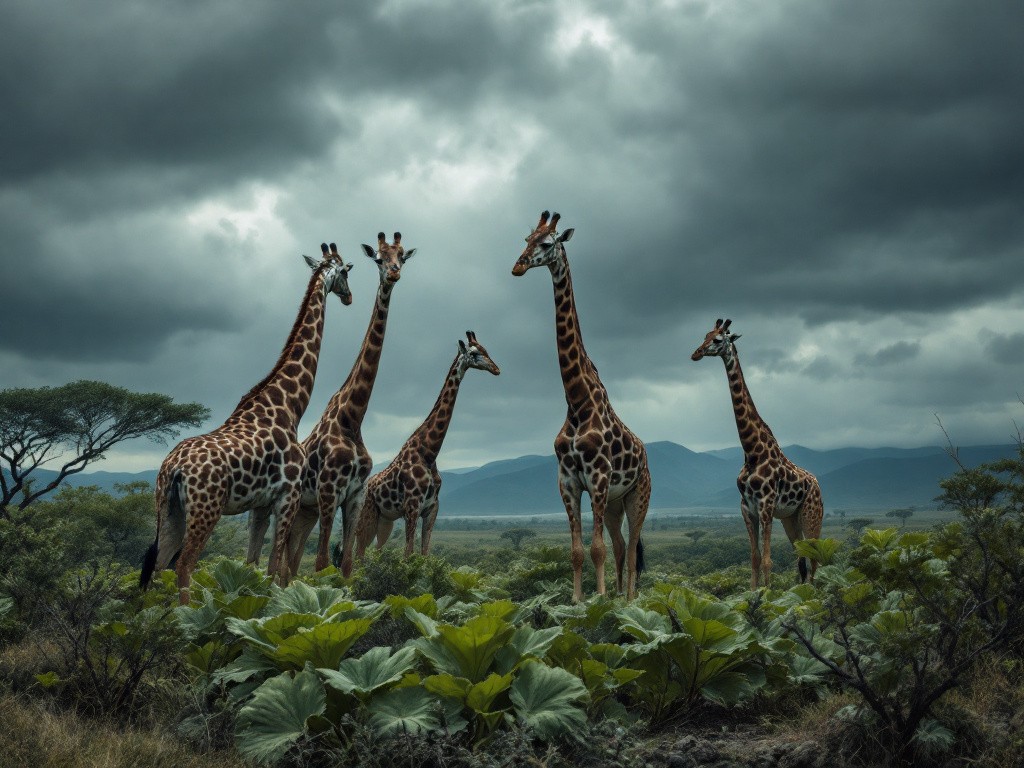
(473, 355)
(718, 340)
(335, 272)
(544, 245)
(389, 258)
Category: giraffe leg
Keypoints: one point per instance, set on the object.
(328, 508)
(410, 513)
(349, 518)
(750, 520)
(810, 516)
(599, 504)
(201, 520)
(284, 514)
(766, 512)
(366, 526)
(302, 526)
(613, 522)
(384, 528)
(429, 516)
(791, 525)
(259, 521)
(571, 494)
(635, 505)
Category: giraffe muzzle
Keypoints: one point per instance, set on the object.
(519, 269)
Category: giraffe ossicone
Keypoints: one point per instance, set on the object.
(254, 459)
(595, 450)
(770, 485)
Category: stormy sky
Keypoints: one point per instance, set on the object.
(845, 180)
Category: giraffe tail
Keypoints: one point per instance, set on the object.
(641, 564)
(802, 568)
(173, 524)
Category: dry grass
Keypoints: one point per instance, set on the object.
(34, 737)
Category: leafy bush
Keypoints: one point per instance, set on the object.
(386, 572)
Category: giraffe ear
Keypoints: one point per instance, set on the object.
(408, 255)
(734, 336)
(566, 236)
(313, 263)
(368, 250)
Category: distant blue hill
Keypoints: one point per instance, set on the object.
(851, 478)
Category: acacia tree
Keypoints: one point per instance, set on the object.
(516, 536)
(71, 426)
(902, 514)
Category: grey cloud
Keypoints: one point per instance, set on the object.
(1006, 349)
(894, 353)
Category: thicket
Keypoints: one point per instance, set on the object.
(487, 665)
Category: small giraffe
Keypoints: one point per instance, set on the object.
(254, 460)
(407, 488)
(770, 484)
(337, 462)
(596, 452)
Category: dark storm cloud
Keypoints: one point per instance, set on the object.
(894, 353)
(807, 169)
(1007, 349)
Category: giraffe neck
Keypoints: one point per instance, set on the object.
(752, 430)
(431, 433)
(349, 404)
(289, 384)
(579, 375)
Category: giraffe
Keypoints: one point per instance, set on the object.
(337, 462)
(596, 452)
(408, 487)
(254, 460)
(770, 485)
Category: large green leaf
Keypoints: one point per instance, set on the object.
(467, 651)
(545, 699)
(481, 695)
(822, 551)
(251, 663)
(299, 597)
(642, 624)
(404, 710)
(448, 685)
(526, 643)
(375, 669)
(323, 646)
(270, 632)
(276, 715)
(232, 578)
(424, 604)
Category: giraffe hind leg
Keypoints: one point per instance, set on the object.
(170, 532)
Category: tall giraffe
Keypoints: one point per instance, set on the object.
(407, 488)
(596, 452)
(254, 460)
(337, 462)
(770, 485)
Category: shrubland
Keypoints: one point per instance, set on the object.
(907, 650)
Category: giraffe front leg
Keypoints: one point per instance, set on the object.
(571, 494)
(766, 512)
(284, 514)
(302, 526)
(350, 512)
(366, 527)
(259, 521)
(411, 513)
(599, 504)
(613, 522)
(429, 517)
(328, 506)
(750, 521)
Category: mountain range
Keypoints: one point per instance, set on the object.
(851, 478)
